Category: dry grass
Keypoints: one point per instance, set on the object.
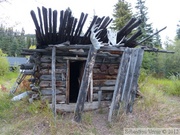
(155, 110)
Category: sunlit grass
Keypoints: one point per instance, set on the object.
(170, 87)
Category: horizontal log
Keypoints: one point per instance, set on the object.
(75, 58)
(104, 82)
(102, 77)
(48, 59)
(48, 84)
(59, 77)
(49, 91)
(104, 88)
(59, 98)
(98, 65)
(104, 96)
(48, 71)
(87, 106)
(106, 72)
(28, 72)
(62, 89)
(27, 66)
(58, 65)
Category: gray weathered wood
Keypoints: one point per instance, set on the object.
(87, 106)
(99, 97)
(134, 84)
(53, 68)
(85, 83)
(126, 87)
(119, 81)
(67, 82)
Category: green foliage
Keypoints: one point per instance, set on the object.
(167, 86)
(146, 28)
(122, 14)
(4, 64)
(12, 42)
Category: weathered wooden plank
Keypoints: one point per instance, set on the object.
(119, 81)
(85, 83)
(59, 99)
(130, 76)
(102, 77)
(104, 88)
(87, 106)
(104, 82)
(46, 84)
(48, 59)
(27, 66)
(106, 72)
(106, 96)
(38, 31)
(98, 65)
(53, 81)
(48, 71)
(50, 26)
(48, 91)
(41, 24)
(67, 82)
(75, 58)
(58, 66)
(99, 98)
(54, 26)
(59, 77)
(134, 84)
(44, 11)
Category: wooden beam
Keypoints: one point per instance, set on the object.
(119, 81)
(53, 68)
(67, 82)
(87, 106)
(87, 75)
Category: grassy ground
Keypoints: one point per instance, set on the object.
(159, 107)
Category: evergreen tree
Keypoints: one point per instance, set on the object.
(157, 40)
(146, 28)
(12, 42)
(178, 31)
(122, 14)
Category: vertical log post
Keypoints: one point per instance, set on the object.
(53, 75)
(86, 79)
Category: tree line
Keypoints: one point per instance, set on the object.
(12, 42)
(161, 64)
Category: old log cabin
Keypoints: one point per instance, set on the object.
(61, 58)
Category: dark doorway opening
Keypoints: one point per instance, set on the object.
(76, 72)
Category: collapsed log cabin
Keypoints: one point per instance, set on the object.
(72, 74)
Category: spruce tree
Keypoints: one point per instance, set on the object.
(122, 14)
(146, 28)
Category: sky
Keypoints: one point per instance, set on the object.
(161, 13)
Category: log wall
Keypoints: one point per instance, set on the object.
(103, 80)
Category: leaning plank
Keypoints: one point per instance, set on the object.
(135, 79)
(85, 83)
(119, 81)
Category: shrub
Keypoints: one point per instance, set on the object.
(4, 64)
